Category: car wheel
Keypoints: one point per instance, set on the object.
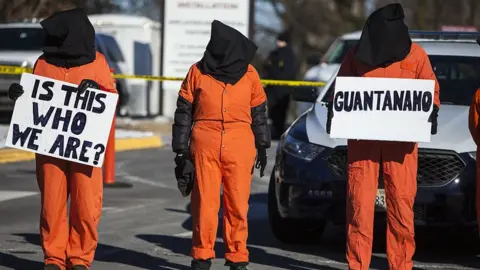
(288, 230)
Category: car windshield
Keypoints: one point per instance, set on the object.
(22, 39)
(338, 52)
(458, 76)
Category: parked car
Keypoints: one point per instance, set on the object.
(308, 183)
(329, 63)
(21, 46)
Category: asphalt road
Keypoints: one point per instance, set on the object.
(148, 226)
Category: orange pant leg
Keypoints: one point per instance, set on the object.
(400, 175)
(205, 198)
(86, 190)
(238, 158)
(478, 189)
(52, 181)
(205, 205)
(363, 169)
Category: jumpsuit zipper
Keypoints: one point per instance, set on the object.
(223, 120)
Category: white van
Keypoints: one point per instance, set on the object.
(139, 38)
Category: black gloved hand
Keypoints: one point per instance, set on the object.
(433, 119)
(184, 173)
(15, 91)
(261, 162)
(329, 116)
(87, 84)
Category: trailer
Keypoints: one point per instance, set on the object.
(139, 38)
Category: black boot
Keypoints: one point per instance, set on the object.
(201, 264)
(52, 267)
(237, 265)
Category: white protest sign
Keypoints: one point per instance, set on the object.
(51, 119)
(382, 109)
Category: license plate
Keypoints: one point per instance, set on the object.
(380, 201)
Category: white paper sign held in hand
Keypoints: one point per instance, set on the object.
(382, 109)
(52, 119)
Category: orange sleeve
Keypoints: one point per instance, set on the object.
(473, 117)
(425, 72)
(104, 75)
(258, 93)
(187, 90)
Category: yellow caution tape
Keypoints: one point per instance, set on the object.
(13, 70)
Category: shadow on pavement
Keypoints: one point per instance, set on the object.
(448, 246)
(14, 262)
(106, 253)
(257, 255)
(433, 246)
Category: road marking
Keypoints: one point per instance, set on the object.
(10, 195)
(145, 181)
(9, 155)
(184, 235)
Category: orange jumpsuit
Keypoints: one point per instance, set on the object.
(399, 160)
(473, 125)
(222, 146)
(71, 239)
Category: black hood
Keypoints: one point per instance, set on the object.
(385, 37)
(227, 55)
(70, 40)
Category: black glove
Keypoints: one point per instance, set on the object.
(329, 116)
(433, 119)
(261, 162)
(185, 173)
(15, 91)
(87, 84)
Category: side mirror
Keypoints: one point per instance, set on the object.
(305, 94)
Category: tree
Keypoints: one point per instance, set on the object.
(19, 10)
(432, 14)
(314, 24)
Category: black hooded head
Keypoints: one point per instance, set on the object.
(227, 55)
(70, 40)
(385, 38)
(285, 36)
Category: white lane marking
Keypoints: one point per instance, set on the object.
(145, 181)
(108, 209)
(183, 235)
(114, 210)
(10, 195)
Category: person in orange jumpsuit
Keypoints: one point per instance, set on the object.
(474, 127)
(385, 50)
(221, 126)
(69, 241)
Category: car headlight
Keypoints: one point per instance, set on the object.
(473, 155)
(301, 149)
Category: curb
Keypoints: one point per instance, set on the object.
(10, 155)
